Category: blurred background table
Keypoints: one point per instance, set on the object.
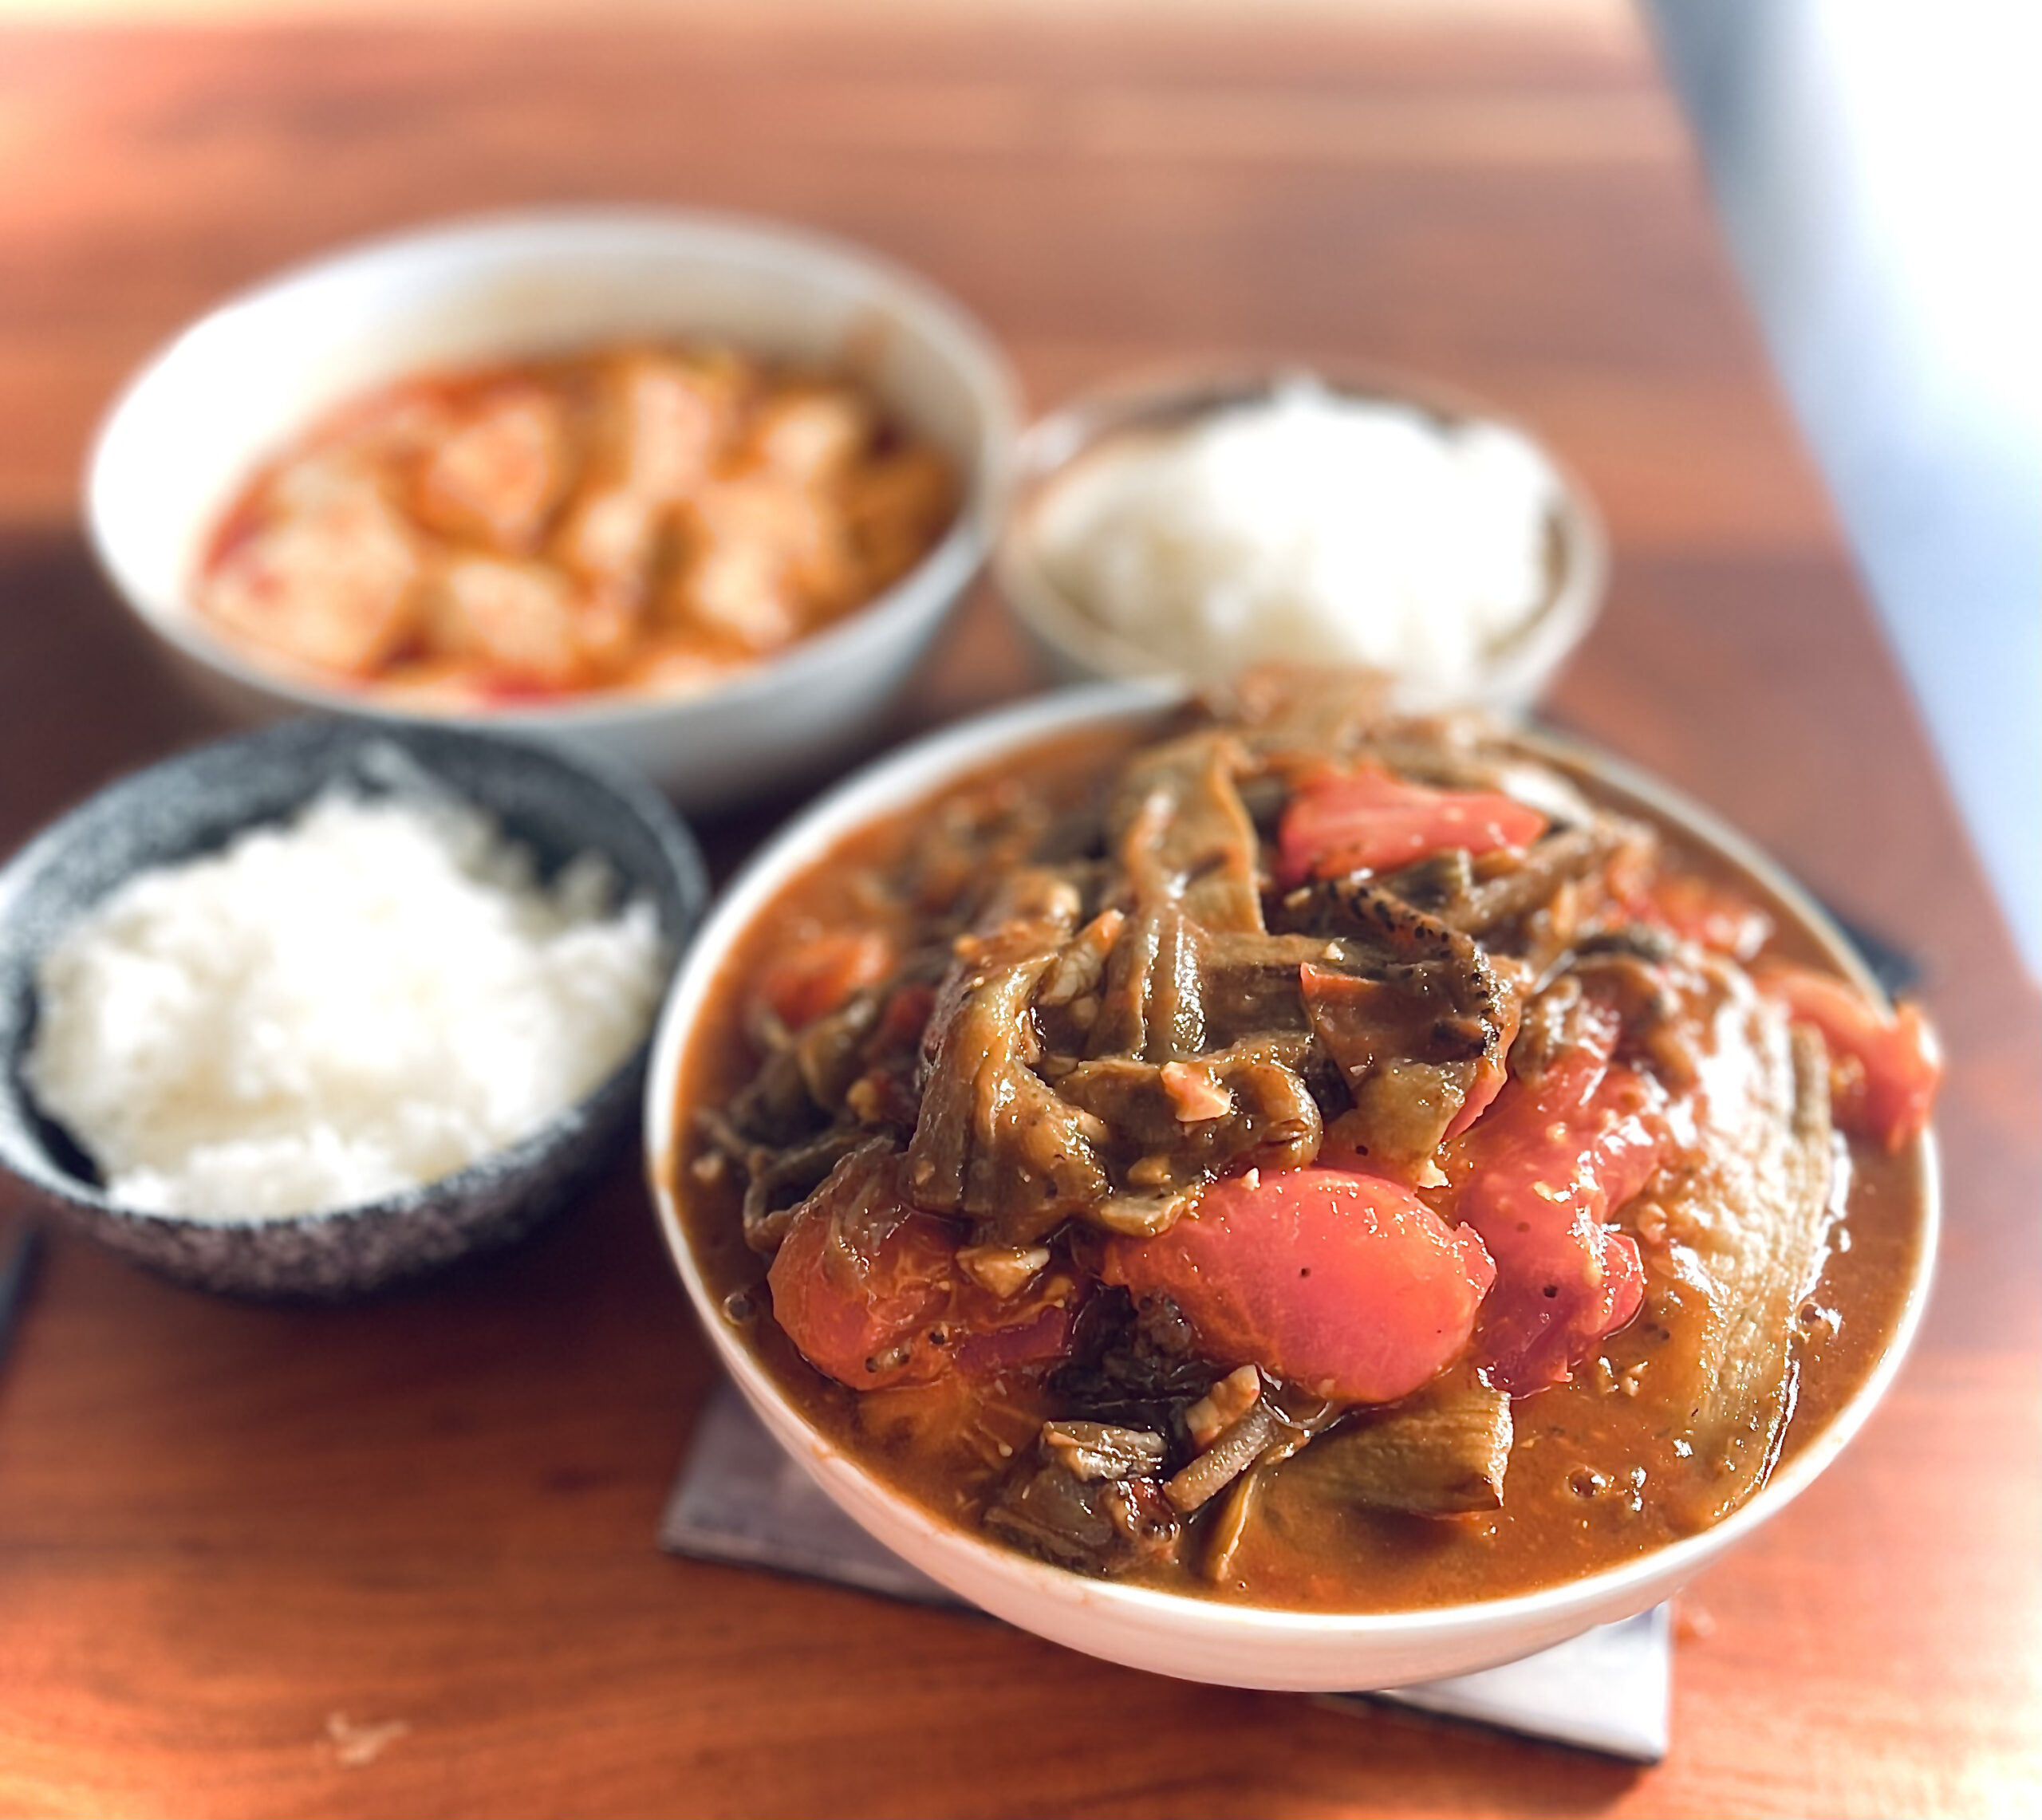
(399, 1557)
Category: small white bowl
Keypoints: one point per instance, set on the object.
(1191, 1638)
(1079, 647)
(239, 384)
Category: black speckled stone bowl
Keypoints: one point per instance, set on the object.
(556, 803)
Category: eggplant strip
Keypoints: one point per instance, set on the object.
(1422, 1012)
(1270, 1120)
(781, 1180)
(1251, 983)
(1182, 833)
(1223, 1462)
(1441, 1452)
(1150, 1001)
(993, 1140)
(1228, 1526)
(1736, 1246)
(1568, 854)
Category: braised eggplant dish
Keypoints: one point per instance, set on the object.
(1303, 1155)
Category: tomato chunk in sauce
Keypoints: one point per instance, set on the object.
(1348, 1285)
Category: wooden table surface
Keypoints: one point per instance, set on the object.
(235, 1542)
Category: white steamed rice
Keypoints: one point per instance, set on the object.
(1311, 527)
(373, 997)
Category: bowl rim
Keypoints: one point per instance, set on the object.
(134, 792)
(549, 233)
(1170, 392)
(920, 768)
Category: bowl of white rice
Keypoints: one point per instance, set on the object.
(316, 1010)
(1197, 524)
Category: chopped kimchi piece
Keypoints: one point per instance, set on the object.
(332, 584)
(501, 471)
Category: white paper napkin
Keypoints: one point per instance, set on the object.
(739, 1498)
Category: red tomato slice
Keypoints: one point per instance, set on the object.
(1884, 1069)
(1698, 910)
(1368, 820)
(1037, 1332)
(870, 1292)
(1537, 1179)
(1347, 1284)
(861, 1311)
(813, 978)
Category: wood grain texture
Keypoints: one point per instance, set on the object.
(231, 1538)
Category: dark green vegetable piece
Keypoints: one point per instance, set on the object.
(1440, 1452)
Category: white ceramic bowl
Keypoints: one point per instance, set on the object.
(1079, 647)
(1195, 1639)
(190, 429)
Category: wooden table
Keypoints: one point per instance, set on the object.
(398, 1557)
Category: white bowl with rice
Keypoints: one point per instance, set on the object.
(1195, 526)
(328, 1005)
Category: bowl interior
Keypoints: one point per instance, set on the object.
(193, 804)
(241, 383)
(1080, 646)
(1162, 1633)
